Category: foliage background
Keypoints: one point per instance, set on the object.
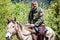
(20, 9)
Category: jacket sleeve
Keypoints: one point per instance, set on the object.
(39, 22)
(41, 19)
(41, 12)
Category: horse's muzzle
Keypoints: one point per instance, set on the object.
(7, 38)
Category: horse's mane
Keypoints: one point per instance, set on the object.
(19, 25)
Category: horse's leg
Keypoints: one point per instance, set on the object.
(34, 36)
(52, 37)
(46, 38)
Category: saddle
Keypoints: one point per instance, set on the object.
(42, 31)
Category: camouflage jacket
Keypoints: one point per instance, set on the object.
(34, 16)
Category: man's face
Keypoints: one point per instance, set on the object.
(34, 5)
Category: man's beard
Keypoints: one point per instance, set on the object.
(34, 8)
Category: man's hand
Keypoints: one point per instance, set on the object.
(41, 14)
(32, 25)
(28, 24)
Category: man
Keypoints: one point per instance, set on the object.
(36, 17)
(36, 14)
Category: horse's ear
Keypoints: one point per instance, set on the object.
(14, 18)
(8, 20)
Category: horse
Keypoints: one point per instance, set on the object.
(48, 35)
(14, 28)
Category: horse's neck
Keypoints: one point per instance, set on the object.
(24, 31)
(19, 33)
(23, 34)
(18, 36)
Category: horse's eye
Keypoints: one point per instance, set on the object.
(13, 26)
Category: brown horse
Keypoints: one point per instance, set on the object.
(14, 28)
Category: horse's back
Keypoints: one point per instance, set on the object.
(50, 30)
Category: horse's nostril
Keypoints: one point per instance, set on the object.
(7, 38)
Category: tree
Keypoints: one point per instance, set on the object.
(52, 18)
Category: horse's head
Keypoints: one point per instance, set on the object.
(12, 28)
